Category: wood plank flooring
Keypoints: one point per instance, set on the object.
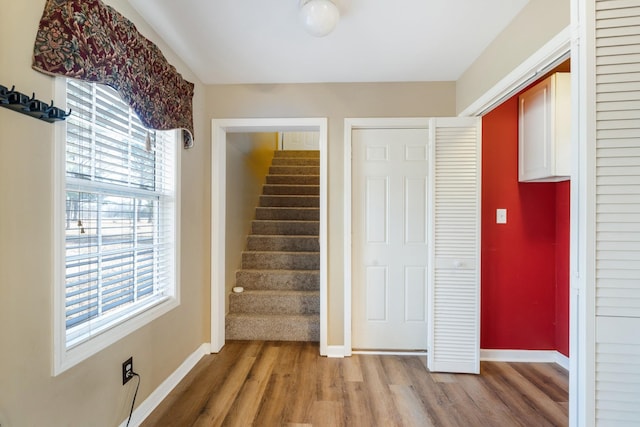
(288, 384)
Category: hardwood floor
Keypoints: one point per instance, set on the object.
(289, 384)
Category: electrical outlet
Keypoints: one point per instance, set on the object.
(127, 370)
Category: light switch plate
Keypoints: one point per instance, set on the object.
(501, 216)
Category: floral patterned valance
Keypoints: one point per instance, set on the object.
(88, 40)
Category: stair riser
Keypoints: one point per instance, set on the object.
(280, 266)
(290, 201)
(270, 328)
(274, 304)
(272, 189)
(294, 214)
(294, 170)
(286, 228)
(293, 179)
(297, 153)
(278, 280)
(295, 161)
(280, 261)
(286, 244)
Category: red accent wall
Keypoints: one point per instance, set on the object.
(563, 215)
(524, 291)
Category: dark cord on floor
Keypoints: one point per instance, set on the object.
(134, 397)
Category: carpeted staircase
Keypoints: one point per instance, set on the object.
(280, 266)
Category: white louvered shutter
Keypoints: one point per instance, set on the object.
(454, 341)
(617, 376)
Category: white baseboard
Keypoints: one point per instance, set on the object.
(391, 353)
(562, 360)
(531, 356)
(163, 390)
(335, 351)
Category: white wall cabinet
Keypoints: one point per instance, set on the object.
(544, 131)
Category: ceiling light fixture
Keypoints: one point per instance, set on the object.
(319, 17)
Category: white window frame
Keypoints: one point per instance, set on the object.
(65, 357)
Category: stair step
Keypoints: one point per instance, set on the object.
(283, 189)
(271, 260)
(299, 214)
(295, 161)
(294, 179)
(283, 243)
(280, 268)
(289, 201)
(271, 327)
(278, 279)
(294, 170)
(275, 302)
(297, 153)
(285, 227)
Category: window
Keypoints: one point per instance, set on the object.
(118, 268)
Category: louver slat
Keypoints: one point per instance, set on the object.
(454, 345)
(618, 151)
(618, 212)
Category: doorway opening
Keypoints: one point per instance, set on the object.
(222, 130)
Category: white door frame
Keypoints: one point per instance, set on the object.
(219, 130)
(547, 57)
(349, 125)
(581, 327)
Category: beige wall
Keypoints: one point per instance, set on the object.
(537, 23)
(248, 159)
(91, 393)
(336, 102)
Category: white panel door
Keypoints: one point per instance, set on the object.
(389, 223)
(300, 140)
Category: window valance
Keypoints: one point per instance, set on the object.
(88, 40)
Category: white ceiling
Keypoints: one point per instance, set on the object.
(262, 41)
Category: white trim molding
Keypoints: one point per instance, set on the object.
(163, 390)
(335, 351)
(529, 356)
(562, 360)
(548, 56)
(220, 129)
(391, 353)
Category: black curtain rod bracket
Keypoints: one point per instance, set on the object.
(17, 101)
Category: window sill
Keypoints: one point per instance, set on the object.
(66, 358)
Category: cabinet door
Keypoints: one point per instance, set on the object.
(535, 133)
(544, 139)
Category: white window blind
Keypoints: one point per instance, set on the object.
(120, 213)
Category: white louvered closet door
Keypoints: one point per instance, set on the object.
(617, 275)
(454, 339)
